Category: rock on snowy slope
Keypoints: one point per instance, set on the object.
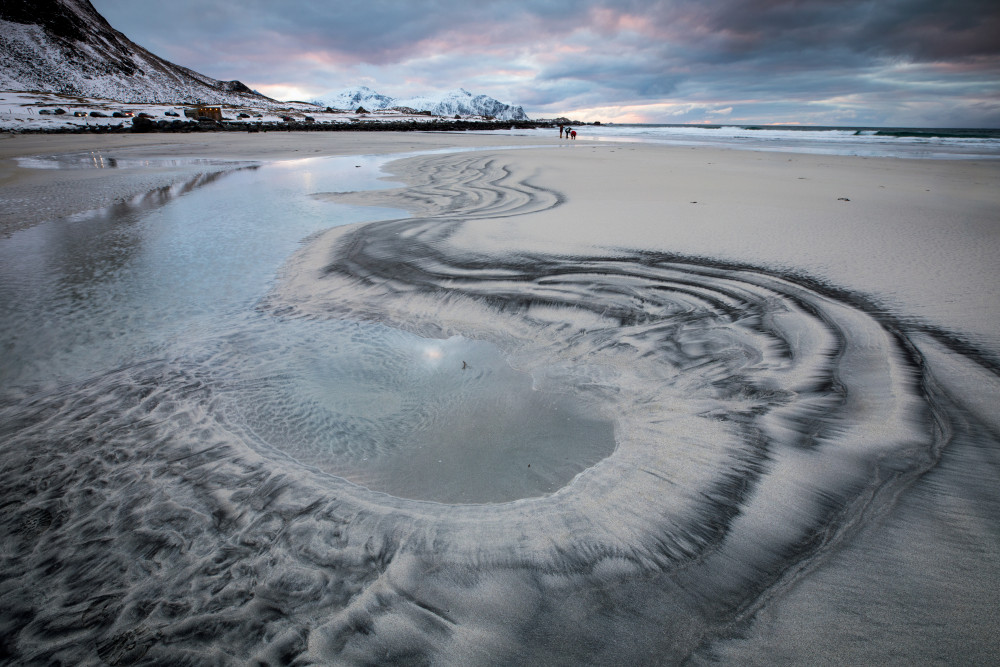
(66, 46)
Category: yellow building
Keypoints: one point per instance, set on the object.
(210, 111)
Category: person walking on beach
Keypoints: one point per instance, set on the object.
(560, 131)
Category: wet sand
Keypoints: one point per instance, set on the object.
(869, 466)
(798, 354)
(922, 235)
(30, 196)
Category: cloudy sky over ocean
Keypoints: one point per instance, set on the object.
(920, 63)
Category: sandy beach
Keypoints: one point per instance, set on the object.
(857, 222)
(32, 195)
(786, 365)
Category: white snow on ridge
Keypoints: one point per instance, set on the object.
(360, 96)
(458, 102)
(462, 102)
(65, 46)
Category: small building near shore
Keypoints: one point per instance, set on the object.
(210, 111)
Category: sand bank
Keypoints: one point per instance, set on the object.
(814, 294)
(922, 234)
(792, 457)
(30, 196)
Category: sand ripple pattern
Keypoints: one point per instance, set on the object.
(761, 420)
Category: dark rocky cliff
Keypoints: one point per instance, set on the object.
(66, 46)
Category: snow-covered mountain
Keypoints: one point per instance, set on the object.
(460, 102)
(66, 46)
(359, 96)
(464, 103)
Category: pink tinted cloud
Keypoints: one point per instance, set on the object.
(609, 21)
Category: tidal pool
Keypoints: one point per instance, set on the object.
(428, 419)
(228, 436)
(176, 275)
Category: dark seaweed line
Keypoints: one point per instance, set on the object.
(437, 179)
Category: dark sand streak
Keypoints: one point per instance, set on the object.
(763, 422)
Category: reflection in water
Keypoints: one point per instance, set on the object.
(443, 420)
(101, 160)
(61, 282)
(92, 247)
(785, 455)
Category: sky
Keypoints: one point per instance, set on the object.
(901, 63)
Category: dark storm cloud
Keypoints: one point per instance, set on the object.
(375, 31)
(557, 55)
(845, 32)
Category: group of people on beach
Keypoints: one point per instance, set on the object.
(568, 132)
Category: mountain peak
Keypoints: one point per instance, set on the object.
(66, 46)
(66, 19)
(454, 102)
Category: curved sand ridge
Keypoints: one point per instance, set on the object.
(761, 419)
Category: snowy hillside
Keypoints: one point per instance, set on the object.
(457, 102)
(65, 46)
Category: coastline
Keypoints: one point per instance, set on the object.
(919, 235)
(31, 196)
(791, 457)
(850, 220)
(587, 237)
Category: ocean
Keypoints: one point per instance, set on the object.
(244, 424)
(928, 143)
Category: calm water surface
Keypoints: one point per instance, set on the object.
(176, 276)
